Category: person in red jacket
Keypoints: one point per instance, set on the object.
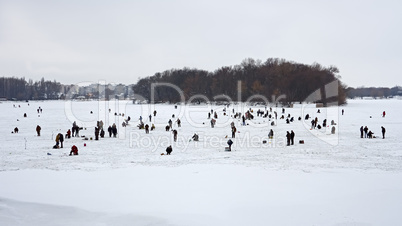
(74, 150)
(68, 134)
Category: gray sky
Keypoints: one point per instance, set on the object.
(120, 41)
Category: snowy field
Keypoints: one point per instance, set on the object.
(332, 179)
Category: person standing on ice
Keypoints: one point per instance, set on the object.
(57, 141)
(150, 118)
(38, 128)
(287, 138)
(61, 139)
(233, 132)
(178, 122)
(175, 135)
(292, 137)
(271, 134)
(365, 131)
(73, 129)
(383, 114)
(361, 132)
(333, 130)
(96, 133)
(213, 122)
(170, 123)
(383, 132)
(114, 130)
(109, 129)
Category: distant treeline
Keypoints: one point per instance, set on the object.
(374, 92)
(19, 89)
(12, 88)
(274, 77)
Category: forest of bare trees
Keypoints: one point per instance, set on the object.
(20, 89)
(375, 92)
(274, 77)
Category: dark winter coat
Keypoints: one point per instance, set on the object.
(288, 138)
(169, 150)
(292, 137)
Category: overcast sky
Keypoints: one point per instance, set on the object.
(121, 41)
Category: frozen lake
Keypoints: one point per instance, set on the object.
(331, 179)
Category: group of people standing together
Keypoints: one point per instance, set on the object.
(369, 134)
(366, 133)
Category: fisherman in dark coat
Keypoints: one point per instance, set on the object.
(175, 135)
(114, 130)
(230, 142)
(169, 150)
(271, 134)
(365, 131)
(61, 139)
(370, 134)
(233, 132)
(38, 128)
(96, 133)
(292, 137)
(109, 130)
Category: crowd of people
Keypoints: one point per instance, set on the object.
(213, 116)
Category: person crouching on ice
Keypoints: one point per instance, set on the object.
(169, 150)
(74, 150)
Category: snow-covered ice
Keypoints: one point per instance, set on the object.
(332, 179)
